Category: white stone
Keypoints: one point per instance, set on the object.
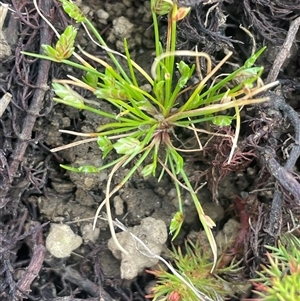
(153, 233)
(62, 241)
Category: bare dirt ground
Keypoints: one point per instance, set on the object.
(261, 184)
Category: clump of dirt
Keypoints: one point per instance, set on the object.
(62, 241)
(152, 233)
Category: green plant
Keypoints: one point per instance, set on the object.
(144, 124)
(279, 280)
(195, 266)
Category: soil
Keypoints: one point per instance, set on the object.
(261, 184)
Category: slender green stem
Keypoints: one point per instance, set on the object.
(171, 61)
(131, 70)
(173, 169)
(110, 54)
(66, 62)
(91, 109)
(157, 39)
(214, 108)
(206, 221)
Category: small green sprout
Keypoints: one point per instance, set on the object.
(194, 264)
(162, 7)
(64, 47)
(280, 279)
(73, 11)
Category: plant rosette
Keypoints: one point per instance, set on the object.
(143, 127)
(194, 264)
